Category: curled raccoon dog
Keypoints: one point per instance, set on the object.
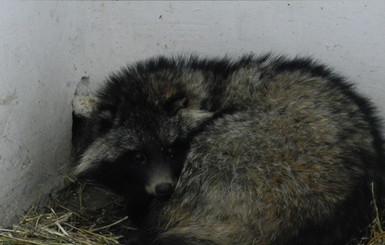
(257, 150)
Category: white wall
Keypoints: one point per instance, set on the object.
(46, 47)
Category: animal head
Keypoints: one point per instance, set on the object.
(136, 130)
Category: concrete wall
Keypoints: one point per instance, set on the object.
(46, 47)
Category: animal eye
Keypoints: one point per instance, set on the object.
(170, 152)
(139, 157)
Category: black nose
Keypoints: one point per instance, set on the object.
(163, 190)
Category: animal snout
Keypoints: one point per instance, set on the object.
(163, 190)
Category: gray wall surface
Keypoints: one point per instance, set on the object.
(46, 47)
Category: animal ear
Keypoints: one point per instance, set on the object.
(173, 104)
(84, 103)
(193, 118)
(83, 106)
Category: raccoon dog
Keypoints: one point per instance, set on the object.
(258, 150)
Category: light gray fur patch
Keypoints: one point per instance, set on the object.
(193, 118)
(108, 148)
(97, 152)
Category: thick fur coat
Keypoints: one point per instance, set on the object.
(257, 150)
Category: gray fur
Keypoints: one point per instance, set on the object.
(277, 155)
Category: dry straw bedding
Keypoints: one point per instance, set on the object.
(82, 213)
(87, 214)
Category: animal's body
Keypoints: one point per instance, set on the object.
(259, 150)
